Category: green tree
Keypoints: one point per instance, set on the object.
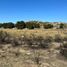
(8, 25)
(61, 25)
(20, 25)
(0, 25)
(32, 25)
(47, 26)
(29, 25)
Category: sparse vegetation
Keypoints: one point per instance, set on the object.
(65, 38)
(58, 38)
(63, 50)
(32, 47)
(4, 37)
(33, 25)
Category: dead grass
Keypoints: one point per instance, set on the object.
(37, 32)
(25, 57)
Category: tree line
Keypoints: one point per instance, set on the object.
(28, 25)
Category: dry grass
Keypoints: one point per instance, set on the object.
(26, 57)
(37, 32)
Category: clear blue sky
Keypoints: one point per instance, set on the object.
(42, 10)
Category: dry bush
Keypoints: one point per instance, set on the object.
(37, 58)
(4, 37)
(63, 50)
(38, 42)
(16, 42)
(58, 38)
(65, 38)
(49, 39)
(45, 42)
(65, 45)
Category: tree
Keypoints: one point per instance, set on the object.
(61, 25)
(20, 25)
(32, 25)
(0, 25)
(47, 26)
(36, 25)
(8, 25)
(29, 25)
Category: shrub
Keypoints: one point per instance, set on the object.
(1, 25)
(58, 38)
(65, 45)
(32, 25)
(46, 42)
(29, 41)
(16, 42)
(4, 37)
(37, 58)
(48, 39)
(47, 26)
(61, 25)
(29, 25)
(65, 38)
(38, 42)
(63, 50)
(8, 25)
(20, 25)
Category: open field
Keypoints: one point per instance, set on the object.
(25, 56)
(38, 32)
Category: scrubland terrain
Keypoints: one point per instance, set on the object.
(33, 48)
(38, 32)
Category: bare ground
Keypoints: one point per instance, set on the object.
(26, 57)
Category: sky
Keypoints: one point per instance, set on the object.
(27, 10)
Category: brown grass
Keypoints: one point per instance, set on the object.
(25, 57)
(38, 32)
